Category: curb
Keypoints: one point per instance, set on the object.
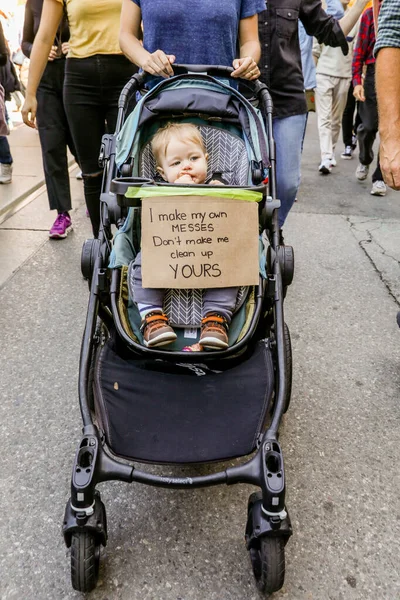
(17, 203)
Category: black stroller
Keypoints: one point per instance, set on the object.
(205, 412)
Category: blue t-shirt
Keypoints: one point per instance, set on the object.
(199, 32)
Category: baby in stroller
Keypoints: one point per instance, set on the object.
(181, 158)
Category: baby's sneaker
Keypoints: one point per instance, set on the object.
(156, 330)
(214, 332)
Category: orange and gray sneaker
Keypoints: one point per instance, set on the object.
(214, 332)
(156, 330)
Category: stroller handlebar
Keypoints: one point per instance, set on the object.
(213, 70)
(138, 80)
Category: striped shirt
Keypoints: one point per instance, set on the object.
(388, 25)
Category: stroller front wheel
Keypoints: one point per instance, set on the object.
(85, 561)
(268, 563)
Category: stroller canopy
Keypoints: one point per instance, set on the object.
(199, 99)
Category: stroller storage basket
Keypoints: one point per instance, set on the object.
(166, 412)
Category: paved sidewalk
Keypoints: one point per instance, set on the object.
(25, 218)
(340, 438)
(28, 173)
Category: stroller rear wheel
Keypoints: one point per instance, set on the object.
(268, 564)
(85, 561)
(289, 366)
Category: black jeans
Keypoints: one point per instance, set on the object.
(349, 124)
(5, 154)
(91, 90)
(367, 130)
(54, 136)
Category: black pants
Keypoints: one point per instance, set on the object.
(368, 128)
(54, 136)
(91, 90)
(349, 124)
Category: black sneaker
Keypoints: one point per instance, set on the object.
(348, 153)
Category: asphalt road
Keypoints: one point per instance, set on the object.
(340, 438)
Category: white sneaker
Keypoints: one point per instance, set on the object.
(5, 173)
(362, 172)
(333, 162)
(348, 153)
(378, 188)
(325, 167)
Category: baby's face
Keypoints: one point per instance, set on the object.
(186, 159)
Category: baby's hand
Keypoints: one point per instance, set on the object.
(216, 182)
(184, 179)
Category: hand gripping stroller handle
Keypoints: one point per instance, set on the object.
(254, 85)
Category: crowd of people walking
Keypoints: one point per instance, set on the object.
(345, 85)
(81, 54)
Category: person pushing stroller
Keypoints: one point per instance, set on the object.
(181, 157)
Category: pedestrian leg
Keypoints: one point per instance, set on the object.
(288, 133)
(5, 153)
(54, 135)
(378, 184)
(339, 100)
(377, 174)
(367, 130)
(323, 100)
(348, 118)
(6, 160)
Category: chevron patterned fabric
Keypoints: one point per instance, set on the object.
(227, 155)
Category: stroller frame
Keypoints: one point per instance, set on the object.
(268, 524)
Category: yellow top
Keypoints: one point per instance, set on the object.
(367, 6)
(94, 27)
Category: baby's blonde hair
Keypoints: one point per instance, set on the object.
(182, 131)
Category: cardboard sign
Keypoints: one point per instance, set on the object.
(199, 242)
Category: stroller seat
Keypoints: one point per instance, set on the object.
(228, 157)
